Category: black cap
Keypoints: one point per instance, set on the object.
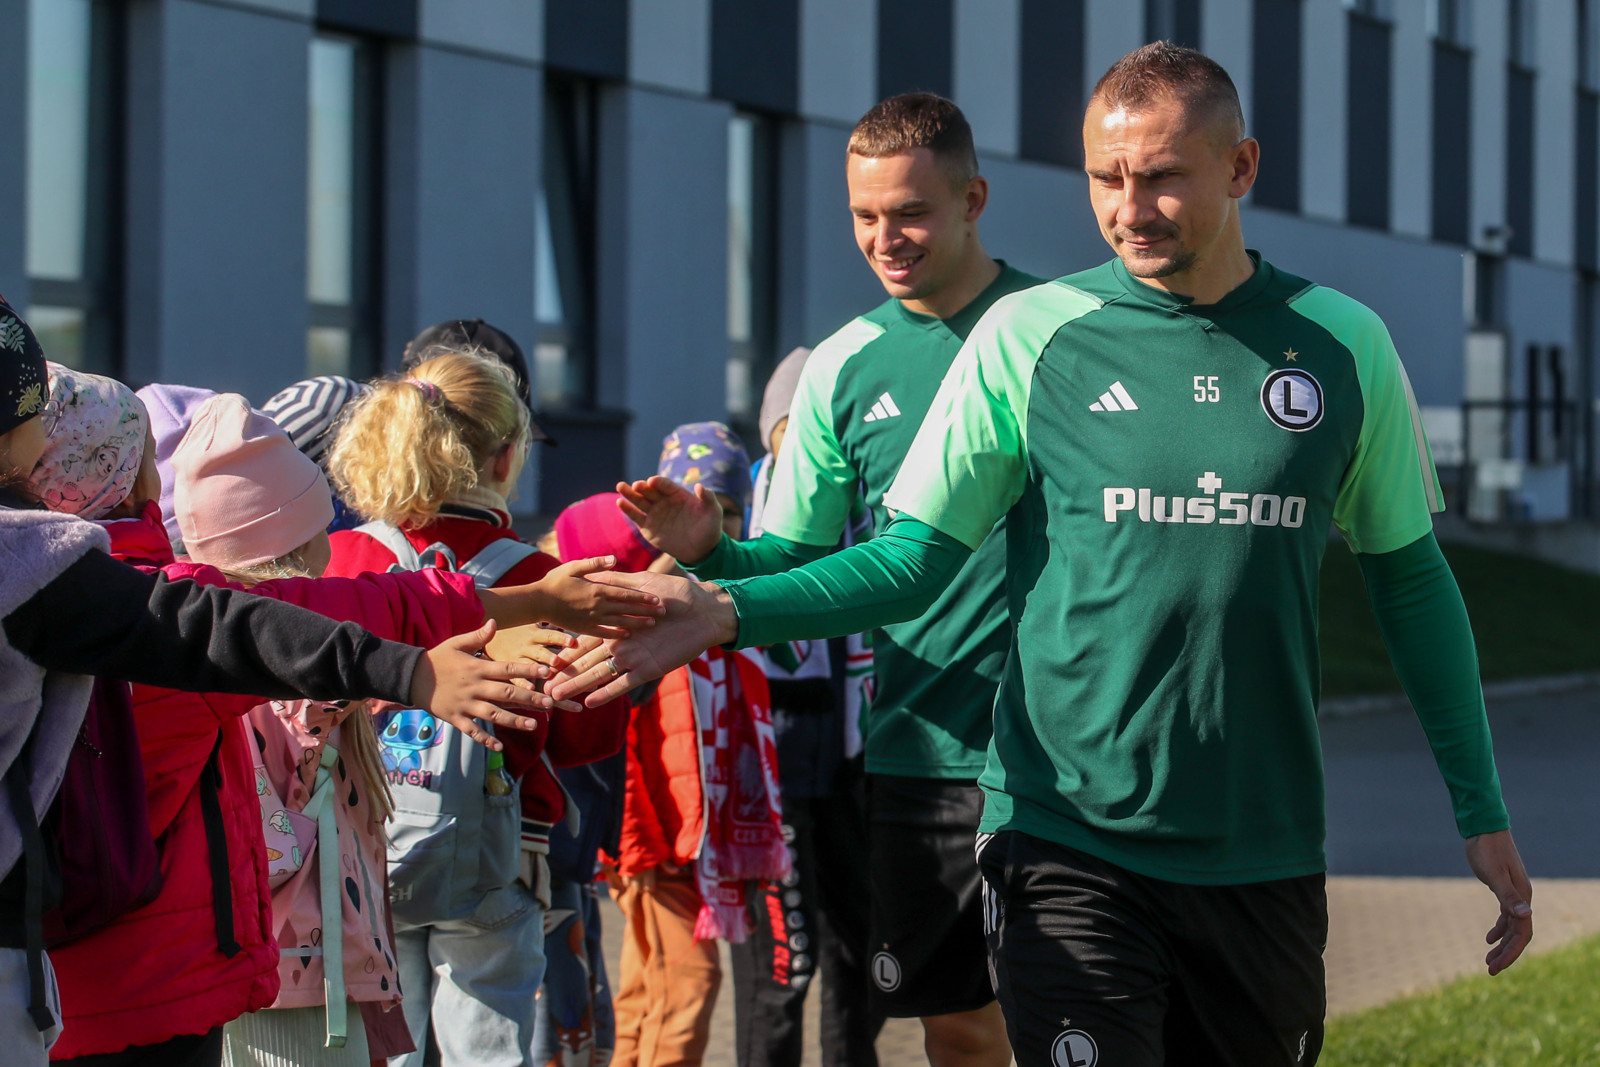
(24, 379)
(475, 333)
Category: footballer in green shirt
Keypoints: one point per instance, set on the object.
(1168, 438)
(916, 197)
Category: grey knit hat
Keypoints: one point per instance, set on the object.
(780, 392)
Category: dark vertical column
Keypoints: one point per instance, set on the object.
(1521, 162)
(1275, 88)
(1367, 130)
(1452, 143)
(1585, 208)
(915, 46)
(1051, 55)
(587, 37)
(755, 54)
(1177, 21)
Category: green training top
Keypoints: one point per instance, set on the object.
(1169, 473)
(862, 396)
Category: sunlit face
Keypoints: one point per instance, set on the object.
(22, 447)
(1163, 189)
(778, 432)
(316, 554)
(732, 516)
(915, 224)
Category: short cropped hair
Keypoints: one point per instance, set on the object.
(1162, 72)
(918, 120)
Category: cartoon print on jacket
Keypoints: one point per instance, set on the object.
(404, 737)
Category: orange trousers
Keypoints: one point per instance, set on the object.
(668, 985)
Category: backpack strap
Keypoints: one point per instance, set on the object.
(217, 847)
(389, 536)
(495, 559)
(321, 807)
(33, 861)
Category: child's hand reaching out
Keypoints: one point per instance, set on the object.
(566, 598)
(451, 683)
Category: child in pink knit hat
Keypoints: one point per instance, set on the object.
(245, 495)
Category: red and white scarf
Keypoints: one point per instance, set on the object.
(739, 755)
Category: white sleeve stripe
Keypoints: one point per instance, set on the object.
(1430, 481)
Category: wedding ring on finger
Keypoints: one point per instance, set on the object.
(611, 662)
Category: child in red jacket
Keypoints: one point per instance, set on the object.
(431, 459)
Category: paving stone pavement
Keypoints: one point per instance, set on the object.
(1387, 937)
(1403, 917)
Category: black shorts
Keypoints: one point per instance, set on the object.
(1096, 964)
(926, 954)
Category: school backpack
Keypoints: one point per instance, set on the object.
(98, 827)
(456, 829)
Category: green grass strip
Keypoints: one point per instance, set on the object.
(1543, 1012)
(1530, 618)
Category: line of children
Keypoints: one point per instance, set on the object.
(249, 503)
(68, 610)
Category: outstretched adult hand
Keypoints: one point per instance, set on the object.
(683, 524)
(451, 682)
(1494, 859)
(698, 616)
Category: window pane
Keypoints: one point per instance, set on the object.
(58, 136)
(327, 351)
(547, 305)
(550, 367)
(331, 171)
(741, 223)
(60, 333)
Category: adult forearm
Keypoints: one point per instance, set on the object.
(767, 554)
(894, 577)
(1424, 624)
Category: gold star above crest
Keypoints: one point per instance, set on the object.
(1290, 354)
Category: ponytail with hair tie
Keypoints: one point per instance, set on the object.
(430, 390)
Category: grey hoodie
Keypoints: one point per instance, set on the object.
(35, 547)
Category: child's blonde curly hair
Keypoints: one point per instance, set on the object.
(412, 444)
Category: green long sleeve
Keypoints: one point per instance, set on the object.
(893, 577)
(767, 554)
(1424, 624)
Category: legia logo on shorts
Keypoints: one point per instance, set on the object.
(886, 972)
(1074, 1048)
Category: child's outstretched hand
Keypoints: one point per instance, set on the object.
(542, 644)
(574, 603)
(452, 683)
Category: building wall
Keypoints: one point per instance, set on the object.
(213, 196)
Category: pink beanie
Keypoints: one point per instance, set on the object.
(244, 494)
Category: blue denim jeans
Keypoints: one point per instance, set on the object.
(474, 981)
(576, 1026)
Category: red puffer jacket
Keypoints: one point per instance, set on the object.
(575, 738)
(157, 973)
(663, 813)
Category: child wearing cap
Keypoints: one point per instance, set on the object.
(308, 411)
(67, 611)
(251, 504)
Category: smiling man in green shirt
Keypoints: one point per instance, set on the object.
(1169, 437)
(915, 197)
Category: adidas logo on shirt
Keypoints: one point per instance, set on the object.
(1114, 399)
(884, 408)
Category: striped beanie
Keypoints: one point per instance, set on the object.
(307, 411)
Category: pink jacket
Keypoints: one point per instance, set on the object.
(292, 736)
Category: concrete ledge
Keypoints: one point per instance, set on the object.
(1512, 689)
